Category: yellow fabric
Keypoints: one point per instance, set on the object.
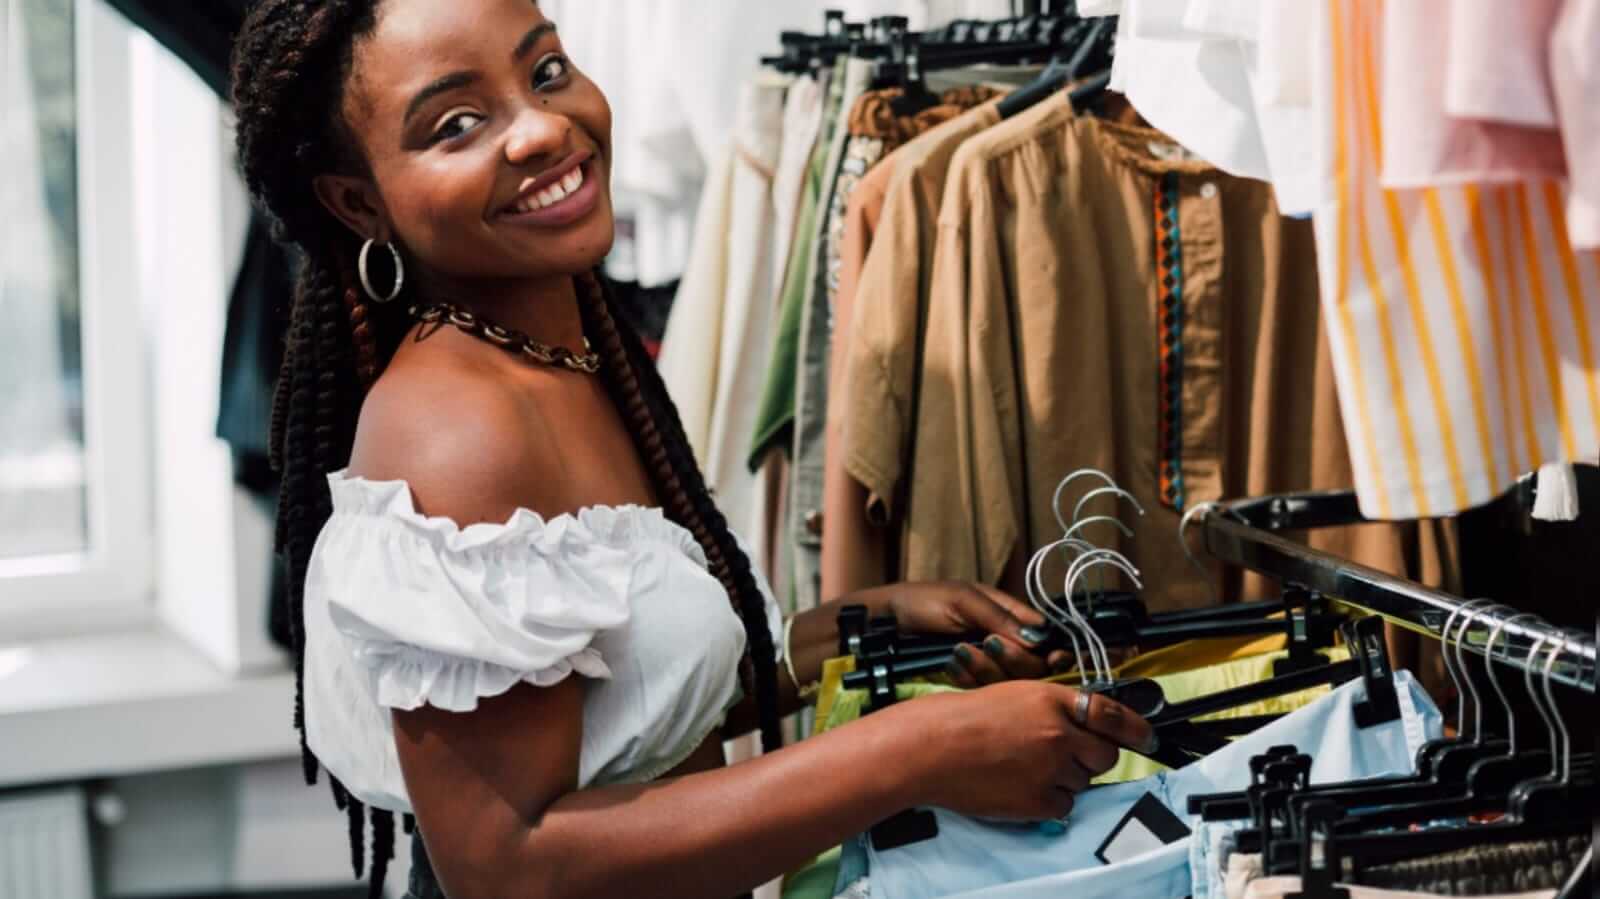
(1214, 679)
(833, 672)
(1188, 656)
(837, 706)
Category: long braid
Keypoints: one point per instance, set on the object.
(657, 431)
(290, 62)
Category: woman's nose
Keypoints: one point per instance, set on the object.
(537, 133)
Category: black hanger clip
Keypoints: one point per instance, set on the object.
(1371, 652)
(1308, 626)
(1320, 863)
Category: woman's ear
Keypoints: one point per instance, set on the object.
(354, 200)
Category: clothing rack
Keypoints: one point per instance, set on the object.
(1245, 533)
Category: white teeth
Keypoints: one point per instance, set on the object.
(553, 194)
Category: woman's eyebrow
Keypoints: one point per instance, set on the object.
(461, 79)
(449, 82)
(531, 38)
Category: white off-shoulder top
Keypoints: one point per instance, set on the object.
(403, 610)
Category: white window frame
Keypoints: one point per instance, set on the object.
(111, 586)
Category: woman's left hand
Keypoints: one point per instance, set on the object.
(957, 608)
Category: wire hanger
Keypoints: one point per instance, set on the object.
(1542, 808)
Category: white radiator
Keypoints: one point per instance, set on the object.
(44, 846)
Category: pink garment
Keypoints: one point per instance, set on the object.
(1575, 70)
(1499, 61)
(1425, 145)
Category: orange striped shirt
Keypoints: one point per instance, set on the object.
(1465, 328)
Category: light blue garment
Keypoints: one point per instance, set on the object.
(976, 859)
(1209, 849)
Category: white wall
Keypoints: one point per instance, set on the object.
(213, 830)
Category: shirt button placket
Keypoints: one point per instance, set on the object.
(1203, 392)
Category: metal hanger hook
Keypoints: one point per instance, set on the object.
(1055, 501)
(1550, 695)
(1494, 679)
(1093, 519)
(1034, 574)
(1114, 490)
(1096, 558)
(1039, 599)
(1545, 715)
(1195, 511)
(1450, 666)
(1476, 608)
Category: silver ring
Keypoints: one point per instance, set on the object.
(1080, 708)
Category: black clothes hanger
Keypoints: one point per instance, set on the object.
(1488, 784)
(1559, 804)
(1294, 822)
(903, 68)
(1087, 42)
(885, 657)
(1232, 806)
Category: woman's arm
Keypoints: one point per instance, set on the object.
(938, 608)
(501, 821)
(495, 800)
(495, 789)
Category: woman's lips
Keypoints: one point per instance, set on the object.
(567, 198)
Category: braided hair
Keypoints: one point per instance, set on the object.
(292, 61)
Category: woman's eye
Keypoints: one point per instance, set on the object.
(550, 69)
(456, 125)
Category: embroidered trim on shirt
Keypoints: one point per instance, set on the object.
(1169, 291)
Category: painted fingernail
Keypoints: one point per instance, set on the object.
(963, 654)
(994, 647)
(1151, 745)
(953, 670)
(1052, 828)
(1033, 635)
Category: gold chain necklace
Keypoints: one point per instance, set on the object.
(514, 342)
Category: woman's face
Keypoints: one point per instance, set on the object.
(489, 152)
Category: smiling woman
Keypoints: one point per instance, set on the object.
(519, 613)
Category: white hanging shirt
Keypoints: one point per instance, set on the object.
(403, 610)
(1191, 68)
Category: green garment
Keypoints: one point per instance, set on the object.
(775, 418)
(815, 880)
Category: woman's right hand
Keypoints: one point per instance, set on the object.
(1018, 751)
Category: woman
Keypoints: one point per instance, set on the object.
(477, 506)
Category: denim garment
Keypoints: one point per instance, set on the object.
(978, 859)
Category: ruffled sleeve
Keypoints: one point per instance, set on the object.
(437, 614)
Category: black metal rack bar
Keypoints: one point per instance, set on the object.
(1242, 533)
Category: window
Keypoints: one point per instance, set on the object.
(74, 443)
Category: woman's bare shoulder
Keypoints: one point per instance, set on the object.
(466, 442)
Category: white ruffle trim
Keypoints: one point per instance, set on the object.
(408, 678)
(608, 525)
(442, 615)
